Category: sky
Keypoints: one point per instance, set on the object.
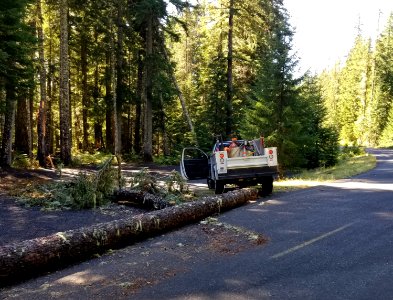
(325, 30)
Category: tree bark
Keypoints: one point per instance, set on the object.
(65, 110)
(98, 136)
(140, 199)
(165, 147)
(25, 259)
(148, 109)
(109, 121)
(41, 124)
(9, 125)
(119, 78)
(180, 95)
(138, 108)
(85, 91)
(51, 85)
(22, 126)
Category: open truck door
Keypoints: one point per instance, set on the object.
(194, 164)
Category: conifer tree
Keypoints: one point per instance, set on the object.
(384, 81)
(274, 101)
(17, 40)
(352, 95)
(65, 105)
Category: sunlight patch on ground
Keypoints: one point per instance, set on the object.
(81, 278)
(198, 184)
(385, 215)
(342, 185)
(297, 183)
(361, 185)
(276, 202)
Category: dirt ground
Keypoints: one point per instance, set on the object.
(18, 222)
(154, 260)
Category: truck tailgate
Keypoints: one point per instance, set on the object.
(247, 162)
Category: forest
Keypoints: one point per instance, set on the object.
(145, 78)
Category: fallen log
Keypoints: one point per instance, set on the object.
(22, 260)
(140, 199)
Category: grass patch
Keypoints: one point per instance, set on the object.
(344, 169)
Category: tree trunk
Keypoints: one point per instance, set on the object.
(31, 101)
(25, 259)
(51, 91)
(229, 109)
(140, 199)
(109, 103)
(2, 100)
(138, 108)
(148, 109)
(65, 110)
(50, 130)
(98, 136)
(22, 126)
(119, 78)
(41, 124)
(9, 124)
(165, 147)
(85, 92)
(180, 95)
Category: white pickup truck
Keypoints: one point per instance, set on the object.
(237, 162)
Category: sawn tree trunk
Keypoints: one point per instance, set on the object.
(25, 259)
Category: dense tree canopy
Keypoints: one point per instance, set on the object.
(358, 93)
(148, 77)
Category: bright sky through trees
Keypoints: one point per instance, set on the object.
(326, 30)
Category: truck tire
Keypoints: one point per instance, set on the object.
(219, 187)
(210, 184)
(267, 186)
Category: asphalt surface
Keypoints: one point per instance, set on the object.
(327, 242)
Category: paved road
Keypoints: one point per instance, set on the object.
(327, 242)
(331, 242)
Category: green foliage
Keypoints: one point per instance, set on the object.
(23, 161)
(172, 188)
(358, 93)
(386, 139)
(320, 140)
(175, 183)
(348, 167)
(347, 152)
(84, 191)
(82, 159)
(145, 181)
(328, 147)
(274, 103)
(78, 194)
(167, 160)
(267, 98)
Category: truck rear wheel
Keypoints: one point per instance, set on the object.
(219, 187)
(267, 186)
(210, 184)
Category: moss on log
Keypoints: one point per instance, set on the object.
(19, 261)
